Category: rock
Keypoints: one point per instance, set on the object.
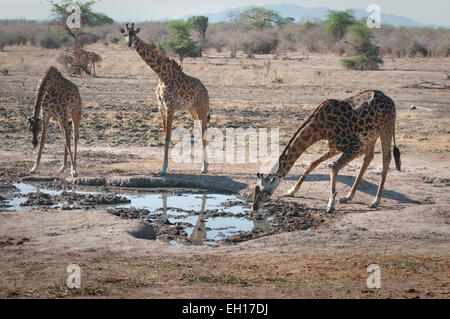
(413, 107)
(142, 230)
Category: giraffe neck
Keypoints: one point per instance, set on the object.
(162, 65)
(304, 138)
(51, 72)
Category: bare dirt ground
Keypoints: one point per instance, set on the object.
(121, 135)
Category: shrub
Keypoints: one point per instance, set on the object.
(278, 80)
(366, 56)
(50, 43)
(260, 42)
(312, 37)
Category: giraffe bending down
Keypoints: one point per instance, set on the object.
(176, 91)
(350, 127)
(59, 98)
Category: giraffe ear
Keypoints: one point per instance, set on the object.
(138, 30)
(122, 30)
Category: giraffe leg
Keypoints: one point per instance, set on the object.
(66, 152)
(169, 119)
(163, 118)
(308, 170)
(201, 119)
(386, 138)
(41, 146)
(368, 157)
(345, 158)
(204, 127)
(64, 165)
(76, 118)
(66, 137)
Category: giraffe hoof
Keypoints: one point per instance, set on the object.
(289, 194)
(373, 205)
(330, 210)
(34, 170)
(344, 200)
(162, 173)
(62, 169)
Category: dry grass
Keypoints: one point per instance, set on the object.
(120, 106)
(313, 276)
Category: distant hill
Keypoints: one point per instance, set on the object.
(303, 13)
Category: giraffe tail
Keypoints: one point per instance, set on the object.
(397, 155)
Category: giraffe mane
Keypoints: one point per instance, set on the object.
(172, 60)
(308, 119)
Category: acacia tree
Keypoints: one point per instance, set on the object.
(181, 43)
(261, 18)
(79, 60)
(60, 11)
(199, 24)
(337, 24)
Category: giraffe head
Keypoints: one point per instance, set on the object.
(264, 189)
(35, 124)
(130, 34)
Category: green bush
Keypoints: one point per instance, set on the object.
(278, 80)
(338, 22)
(181, 44)
(366, 56)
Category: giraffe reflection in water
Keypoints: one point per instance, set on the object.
(199, 232)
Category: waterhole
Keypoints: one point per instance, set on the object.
(178, 217)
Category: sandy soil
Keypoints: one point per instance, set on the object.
(121, 136)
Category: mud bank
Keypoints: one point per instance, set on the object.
(220, 184)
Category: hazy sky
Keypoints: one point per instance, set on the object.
(428, 11)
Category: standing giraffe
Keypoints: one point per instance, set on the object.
(59, 98)
(350, 127)
(176, 91)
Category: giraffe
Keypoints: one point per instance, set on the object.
(351, 127)
(59, 98)
(176, 91)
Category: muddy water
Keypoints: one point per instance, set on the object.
(179, 218)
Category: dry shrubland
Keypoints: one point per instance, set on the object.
(308, 37)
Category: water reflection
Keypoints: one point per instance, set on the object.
(198, 234)
(262, 225)
(211, 219)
